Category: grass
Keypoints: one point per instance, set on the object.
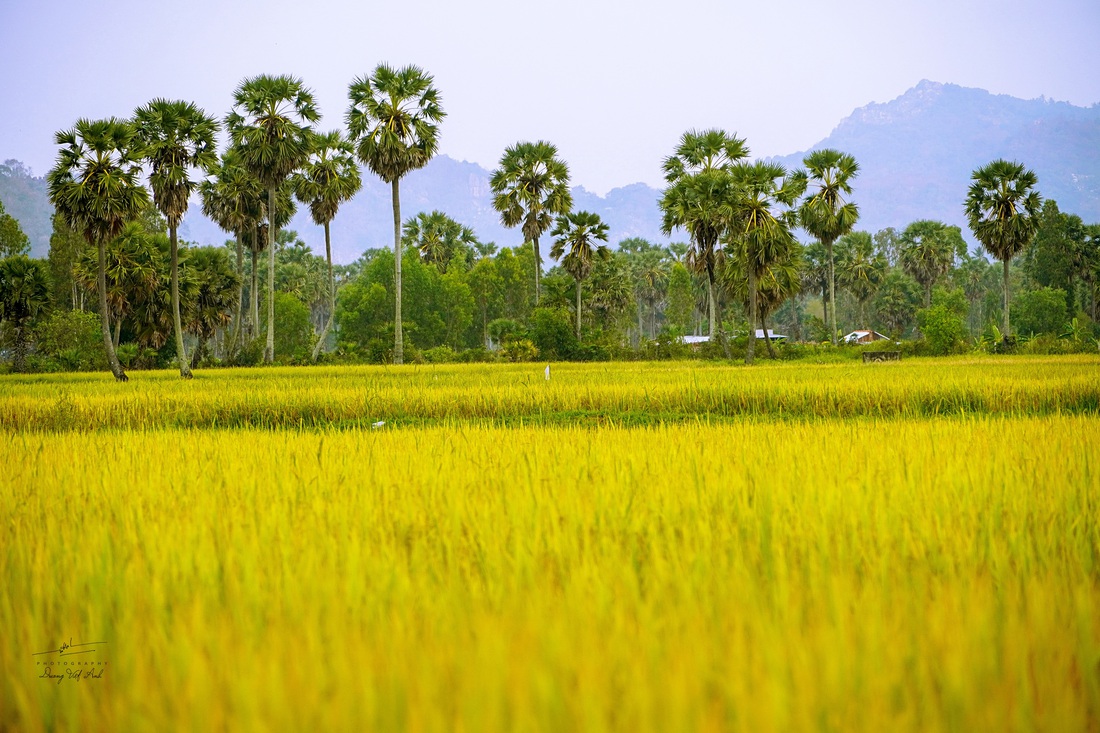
(519, 555)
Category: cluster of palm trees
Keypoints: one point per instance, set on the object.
(739, 215)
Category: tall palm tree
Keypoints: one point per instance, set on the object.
(760, 229)
(394, 122)
(700, 196)
(927, 250)
(235, 201)
(862, 269)
(329, 178)
(1002, 208)
(530, 188)
(175, 136)
(824, 213)
(24, 294)
(269, 126)
(440, 239)
(94, 187)
(575, 245)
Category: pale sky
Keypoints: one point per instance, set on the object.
(612, 83)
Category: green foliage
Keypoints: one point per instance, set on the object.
(552, 333)
(680, 309)
(944, 324)
(1041, 311)
(12, 239)
(70, 340)
(519, 350)
(293, 329)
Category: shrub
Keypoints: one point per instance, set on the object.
(71, 341)
(519, 350)
(440, 355)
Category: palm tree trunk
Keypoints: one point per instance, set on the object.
(538, 269)
(254, 298)
(19, 357)
(105, 323)
(928, 295)
(269, 350)
(398, 334)
(767, 336)
(235, 341)
(832, 294)
(750, 352)
(578, 310)
(118, 330)
(712, 305)
(331, 296)
(1006, 299)
(177, 325)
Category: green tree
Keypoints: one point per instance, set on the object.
(94, 187)
(66, 246)
(575, 245)
(927, 250)
(699, 199)
(1055, 258)
(12, 239)
(24, 296)
(269, 127)
(486, 288)
(175, 137)
(680, 312)
(896, 302)
(72, 340)
(761, 231)
(862, 269)
(394, 121)
(1041, 311)
(1002, 207)
(530, 188)
(825, 213)
(329, 178)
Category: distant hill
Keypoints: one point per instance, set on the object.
(916, 154)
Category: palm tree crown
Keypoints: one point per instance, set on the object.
(175, 136)
(328, 178)
(269, 126)
(394, 120)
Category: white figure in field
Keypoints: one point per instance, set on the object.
(547, 372)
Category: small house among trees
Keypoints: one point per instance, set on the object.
(863, 337)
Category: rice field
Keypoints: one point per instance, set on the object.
(627, 547)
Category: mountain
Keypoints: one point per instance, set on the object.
(917, 152)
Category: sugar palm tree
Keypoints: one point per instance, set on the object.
(269, 126)
(175, 137)
(926, 250)
(824, 213)
(699, 199)
(440, 239)
(760, 229)
(1002, 208)
(24, 294)
(329, 178)
(235, 201)
(575, 245)
(862, 269)
(94, 187)
(394, 122)
(530, 188)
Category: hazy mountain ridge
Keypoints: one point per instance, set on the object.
(915, 152)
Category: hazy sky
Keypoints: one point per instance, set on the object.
(613, 84)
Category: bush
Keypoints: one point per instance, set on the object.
(440, 355)
(294, 335)
(519, 350)
(552, 334)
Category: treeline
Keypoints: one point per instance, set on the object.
(118, 275)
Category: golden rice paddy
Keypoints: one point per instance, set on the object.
(627, 547)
